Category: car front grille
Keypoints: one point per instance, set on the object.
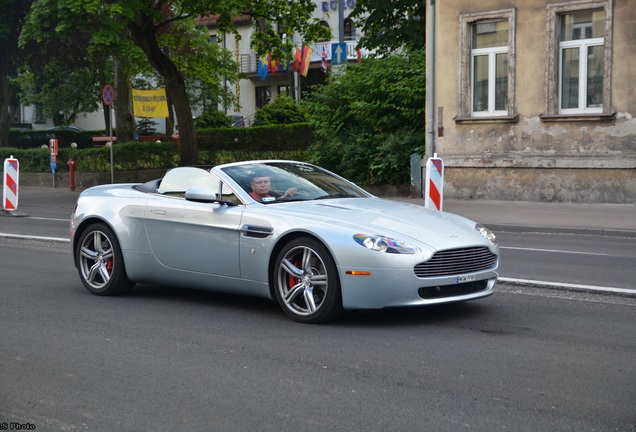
(431, 293)
(456, 262)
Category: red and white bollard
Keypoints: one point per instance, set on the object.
(11, 183)
(434, 183)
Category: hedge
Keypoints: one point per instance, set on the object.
(134, 156)
(28, 139)
(257, 138)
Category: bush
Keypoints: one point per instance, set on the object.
(258, 138)
(37, 138)
(28, 138)
(369, 119)
(136, 156)
(213, 118)
(283, 110)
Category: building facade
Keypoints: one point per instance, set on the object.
(533, 100)
(254, 92)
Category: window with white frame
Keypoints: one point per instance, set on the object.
(487, 65)
(581, 52)
(579, 58)
(489, 68)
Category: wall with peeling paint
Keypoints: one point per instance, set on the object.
(534, 156)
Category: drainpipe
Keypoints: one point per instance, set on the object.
(341, 21)
(225, 78)
(430, 82)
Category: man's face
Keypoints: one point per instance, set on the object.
(260, 185)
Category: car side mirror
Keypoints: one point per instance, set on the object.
(204, 195)
(200, 194)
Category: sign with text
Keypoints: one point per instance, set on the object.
(150, 103)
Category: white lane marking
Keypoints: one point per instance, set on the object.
(553, 250)
(567, 285)
(30, 237)
(48, 219)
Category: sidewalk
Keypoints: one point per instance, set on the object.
(515, 216)
(519, 216)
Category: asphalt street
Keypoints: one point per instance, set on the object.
(52, 206)
(163, 358)
(171, 359)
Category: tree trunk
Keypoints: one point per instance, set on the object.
(124, 119)
(58, 119)
(5, 118)
(143, 33)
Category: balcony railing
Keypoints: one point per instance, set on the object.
(249, 62)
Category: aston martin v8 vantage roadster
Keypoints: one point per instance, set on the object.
(289, 231)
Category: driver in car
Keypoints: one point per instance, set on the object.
(261, 188)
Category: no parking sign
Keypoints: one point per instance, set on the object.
(108, 94)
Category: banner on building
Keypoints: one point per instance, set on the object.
(150, 103)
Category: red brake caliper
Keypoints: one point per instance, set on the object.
(291, 280)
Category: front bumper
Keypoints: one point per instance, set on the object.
(384, 288)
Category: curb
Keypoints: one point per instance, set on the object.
(562, 230)
(526, 283)
(14, 213)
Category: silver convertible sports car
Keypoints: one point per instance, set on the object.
(313, 241)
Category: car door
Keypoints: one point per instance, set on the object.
(194, 236)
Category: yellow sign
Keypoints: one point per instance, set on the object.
(150, 103)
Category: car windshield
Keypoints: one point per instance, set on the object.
(284, 181)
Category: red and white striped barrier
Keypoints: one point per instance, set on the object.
(434, 183)
(11, 182)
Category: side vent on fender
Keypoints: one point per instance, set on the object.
(255, 231)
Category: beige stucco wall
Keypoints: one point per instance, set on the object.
(530, 158)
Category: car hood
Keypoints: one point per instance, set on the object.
(386, 217)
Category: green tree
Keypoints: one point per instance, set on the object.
(147, 20)
(64, 71)
(11, 20)
(391, 25)
(369, 119)
(61, 82)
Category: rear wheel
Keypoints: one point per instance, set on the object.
(306, 282)
(100, 262)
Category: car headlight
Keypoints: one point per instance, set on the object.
(488, 235)
(385, 244)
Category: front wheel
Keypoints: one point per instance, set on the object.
(306, 282)
(100, 262)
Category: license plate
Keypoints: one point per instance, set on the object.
(467, 278)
